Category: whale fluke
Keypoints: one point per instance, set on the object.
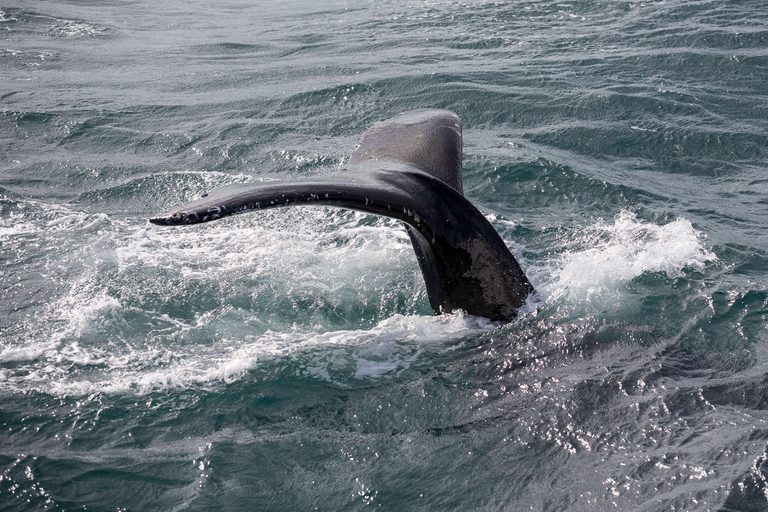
(407, 168)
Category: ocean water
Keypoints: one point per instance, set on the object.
(289, 360)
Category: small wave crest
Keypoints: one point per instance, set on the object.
(28, 217)
(74, 28)
(604, 257)
(67, 365)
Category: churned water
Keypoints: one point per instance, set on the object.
(289, 360)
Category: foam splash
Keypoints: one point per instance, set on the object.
(36, 218)
(74, 28)
(107, 335)
(70, 368)
(615, 254)
(283, 257)
(104, 335)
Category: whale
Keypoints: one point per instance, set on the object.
(408, 168)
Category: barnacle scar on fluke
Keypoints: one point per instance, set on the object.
(407, 168)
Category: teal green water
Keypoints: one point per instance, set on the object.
(289, 360)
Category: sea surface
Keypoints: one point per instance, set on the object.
(289, 360)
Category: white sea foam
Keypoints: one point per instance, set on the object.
(9, 228)
(610, 255)
(102, 337)
(387, 349)
(73, 28)
(94, 340)
(37, 218)
(288, 245)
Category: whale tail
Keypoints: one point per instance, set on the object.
(407, 168)
(427, 140)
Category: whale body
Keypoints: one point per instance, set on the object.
(407, 168)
